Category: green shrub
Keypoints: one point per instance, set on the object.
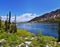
(24, 33)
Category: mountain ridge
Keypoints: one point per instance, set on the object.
(47, 16)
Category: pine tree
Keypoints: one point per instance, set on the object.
(6, 24)
(58, 31)
(9, 17)
(9, 22)
(15, 28)
(0, 23)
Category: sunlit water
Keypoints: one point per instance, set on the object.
(49, 29)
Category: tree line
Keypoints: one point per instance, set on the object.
(9, 27)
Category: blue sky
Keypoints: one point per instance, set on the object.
(20, 7)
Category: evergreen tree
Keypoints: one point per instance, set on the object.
(9, 22)
(0, 23)
(12, 28)
(58, 31)
(9, 17)
(6, 24)
(15, 28)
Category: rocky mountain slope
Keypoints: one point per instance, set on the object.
(51, 16)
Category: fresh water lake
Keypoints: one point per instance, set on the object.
(48, 29)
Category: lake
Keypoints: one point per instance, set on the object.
(48, 29)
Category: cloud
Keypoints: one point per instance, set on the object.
(22, 18)
(26, 17)
(5, 18)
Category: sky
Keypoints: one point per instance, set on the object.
(27, 9)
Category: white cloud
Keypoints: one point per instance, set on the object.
(22, 18)
(3, 18)
(26, 17)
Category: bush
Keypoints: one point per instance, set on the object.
(24, 33)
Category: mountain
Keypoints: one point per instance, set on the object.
(50, 17)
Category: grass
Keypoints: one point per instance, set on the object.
(24, 33)
(14, 39)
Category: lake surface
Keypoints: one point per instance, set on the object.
(49, 29)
